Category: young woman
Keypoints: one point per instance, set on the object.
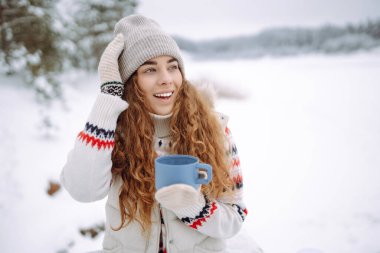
(146, 108)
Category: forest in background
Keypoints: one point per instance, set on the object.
(289, 41)
(43, 38)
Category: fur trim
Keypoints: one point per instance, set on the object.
(206, 89)
(212, 90)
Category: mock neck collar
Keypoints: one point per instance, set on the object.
(161, 125)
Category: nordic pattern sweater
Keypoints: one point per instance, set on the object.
(87, 177)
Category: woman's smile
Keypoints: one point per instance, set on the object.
(164, 95)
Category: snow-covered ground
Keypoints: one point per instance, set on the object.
(308, 134)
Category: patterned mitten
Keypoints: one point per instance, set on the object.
(182, 199)
(108, 68)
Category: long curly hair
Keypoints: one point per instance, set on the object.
(195, 130)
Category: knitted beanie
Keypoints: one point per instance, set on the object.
(144, 40)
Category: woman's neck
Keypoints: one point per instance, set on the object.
(161, 125)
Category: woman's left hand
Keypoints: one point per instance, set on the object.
(182, 199)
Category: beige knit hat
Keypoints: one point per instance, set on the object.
(144, 40)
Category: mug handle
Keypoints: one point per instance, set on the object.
(204, 173)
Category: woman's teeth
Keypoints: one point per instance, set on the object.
(163, 95)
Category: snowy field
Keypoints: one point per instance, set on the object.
(308, 133)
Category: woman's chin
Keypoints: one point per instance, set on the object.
(162, 111)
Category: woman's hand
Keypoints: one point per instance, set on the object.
(181, 199)
(108, 68)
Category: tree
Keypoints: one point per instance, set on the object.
(29, 44)
(93, 26)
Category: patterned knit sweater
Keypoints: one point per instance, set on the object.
(87, 177)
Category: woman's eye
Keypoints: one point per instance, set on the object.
(174, 67)
(149, 70)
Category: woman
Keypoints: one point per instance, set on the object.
(146, 108)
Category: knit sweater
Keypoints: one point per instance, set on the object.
(87, 177)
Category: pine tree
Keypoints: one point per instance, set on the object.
(29, 44)
(94, 23)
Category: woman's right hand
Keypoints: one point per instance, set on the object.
(108, 68)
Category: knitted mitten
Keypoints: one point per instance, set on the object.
(181, 199)
(109, 69)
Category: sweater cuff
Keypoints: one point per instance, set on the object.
(114, 88)
(196, 221)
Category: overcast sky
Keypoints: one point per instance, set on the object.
(201, 19)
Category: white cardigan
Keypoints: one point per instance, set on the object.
(87, 177)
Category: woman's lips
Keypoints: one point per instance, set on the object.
(164, 95)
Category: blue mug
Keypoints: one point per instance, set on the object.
(181, 169)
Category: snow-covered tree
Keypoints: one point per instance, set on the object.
(94, 21)
(29, 44)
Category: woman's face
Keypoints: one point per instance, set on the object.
(160, 79)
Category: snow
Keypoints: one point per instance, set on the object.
(308, 134)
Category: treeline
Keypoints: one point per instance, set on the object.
(41, 38)
(328, 39)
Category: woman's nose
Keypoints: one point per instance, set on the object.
(165, 77)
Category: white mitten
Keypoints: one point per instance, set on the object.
(108, 67)
(182, 199)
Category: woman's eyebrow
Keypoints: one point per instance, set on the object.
(152, 62)
(172, 60)
(149, 63)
